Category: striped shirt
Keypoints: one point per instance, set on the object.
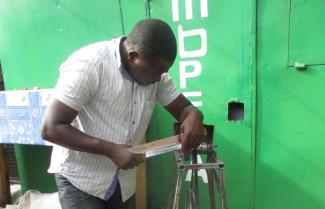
(111, 107)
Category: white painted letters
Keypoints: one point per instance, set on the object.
(202, 173)
(194, 53)
(190, 69)
(185, 74)
(194, 94)
(189, 9)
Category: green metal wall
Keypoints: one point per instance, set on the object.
(227, 74)
(35, 38)
(290, 171)
(38, 36)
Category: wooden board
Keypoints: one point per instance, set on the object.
(4, 180)
(156, 145)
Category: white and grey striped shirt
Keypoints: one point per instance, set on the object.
(112, 107)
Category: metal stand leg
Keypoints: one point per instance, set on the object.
(211, 189)
(221, 188)
(215, 171)
(179, 182)
(213, 167)
(195, 180)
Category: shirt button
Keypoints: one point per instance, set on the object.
(135, 102)
(133, 122)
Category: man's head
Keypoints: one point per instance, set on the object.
(149, 50)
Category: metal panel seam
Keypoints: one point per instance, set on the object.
(254, 97)
(289, 30)
(121, 15)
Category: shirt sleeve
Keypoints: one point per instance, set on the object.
(78, 82)
(167, 91)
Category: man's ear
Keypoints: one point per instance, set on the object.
(132, 55)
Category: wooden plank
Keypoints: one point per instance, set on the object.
(141, 187)
(156, 145)
(4, 180)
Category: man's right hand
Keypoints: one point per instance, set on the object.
(123, 158)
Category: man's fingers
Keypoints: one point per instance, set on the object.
(140, 157)
(191, 142)
(179, 138)
(198, 140)
(138, 161)
(130, 165)
(183, 148)
(190, 138)
(185, 144)
(126, 166)
(133, 161)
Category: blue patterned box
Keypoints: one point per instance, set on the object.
(21, 113)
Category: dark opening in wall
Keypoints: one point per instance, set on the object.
(235, 111)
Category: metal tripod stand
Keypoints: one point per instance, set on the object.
(213, 167)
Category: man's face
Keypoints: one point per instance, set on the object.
(146, 72)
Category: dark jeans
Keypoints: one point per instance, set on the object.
(73, 198)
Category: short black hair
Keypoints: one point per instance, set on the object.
(154, 38)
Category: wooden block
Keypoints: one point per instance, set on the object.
(4, 180)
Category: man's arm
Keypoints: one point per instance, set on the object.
(57, 128)
(191, 119)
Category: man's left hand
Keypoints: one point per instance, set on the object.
(191, 131)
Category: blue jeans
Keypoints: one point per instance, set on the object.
(73, 198)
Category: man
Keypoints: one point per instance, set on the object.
(102, 104)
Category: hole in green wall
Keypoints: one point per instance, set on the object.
(235, 111)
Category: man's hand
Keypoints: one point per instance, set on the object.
(191, 130)
(125, 159)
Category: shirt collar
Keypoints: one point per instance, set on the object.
(117, 54)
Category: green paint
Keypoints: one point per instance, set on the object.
(35, 38)
(132, 12)
(43, 34)
(290, 116)
(306, 32)
(283, 106)
(227, 73)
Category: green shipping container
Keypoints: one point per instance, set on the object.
(261, 59)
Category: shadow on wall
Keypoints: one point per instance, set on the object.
(286, 190)
(290, 168)
(273, 189)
